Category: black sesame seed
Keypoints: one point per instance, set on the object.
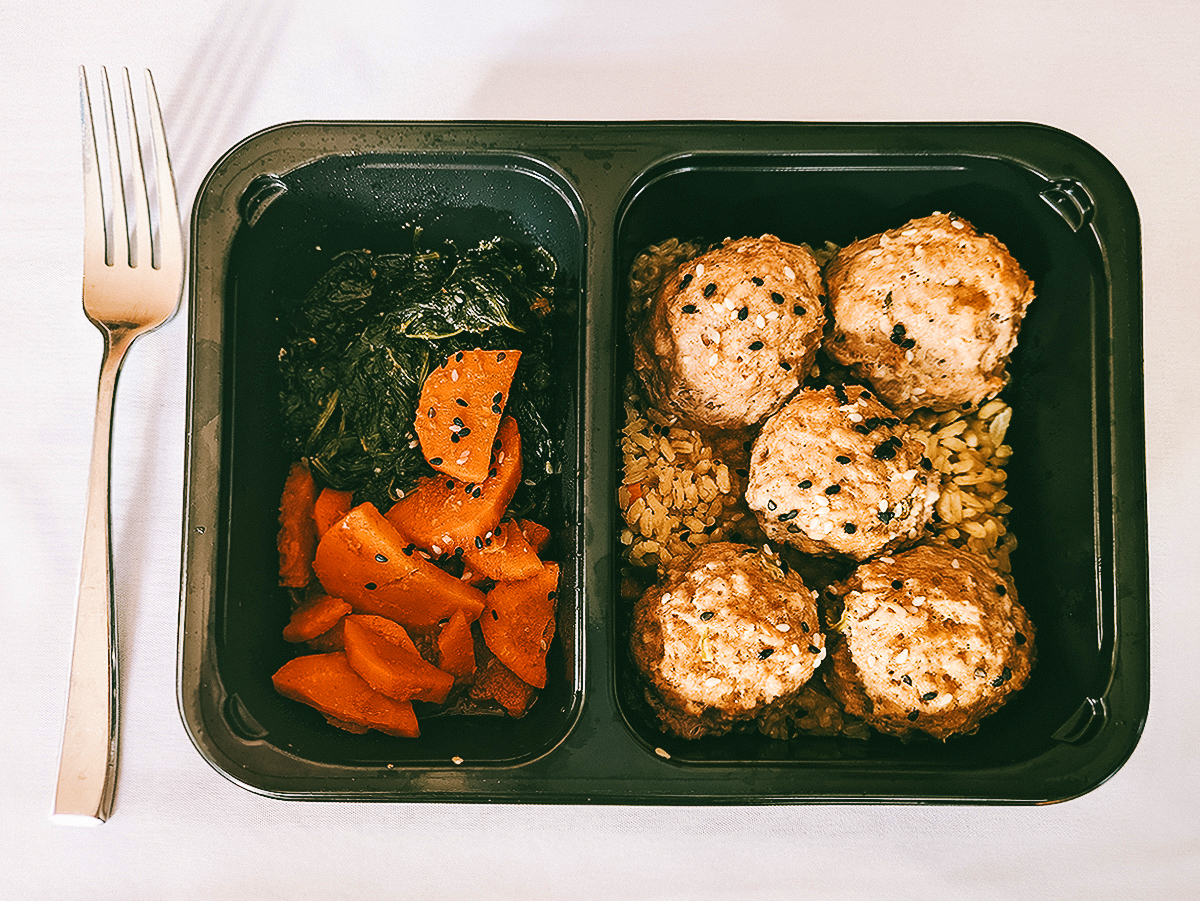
(807, 483)
(912, 716)
(908, 344)
(432, 412)
(496, 444)
(777, 297)
(464, 432)
(454, 437)
(1001, 590)
(897, 584)
(500, 356)
(408, 551)
(799, 310)
(885, 516)
(478, 543)
(370, 586)
(842, 458)
(1019, 638)
(710, 289)
(804, 626)
(792, 527)
(689, 308)
(380, 558)
(833, 489)
(791, 514)
(813, 649)
(495, 615)
(744, 473)
(765, 653)
(785, 365)
(436, 461)
(839, 392)
(758, 281)
(850, 528)
(926, 463)
(687, 279)
(907, 680)
(929, 696)
(458, 552)
(886, 450)
(449, 483)
(458, 421)
(496, 409)
(1006, 673)
(743, 313)
(756, 345)
(707, 615)
(477, 492)
(497, 397)
(460, 402)
(771, 505)
(458, 357)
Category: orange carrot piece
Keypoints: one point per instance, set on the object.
(387, 629)
(297, 538)
(332, 640)
(505, 556)
(496, 682)
(315, 617)
(537, 535)
(518, 623)
(442, 514)
(460, 408)
(328, 683)
(392, 670)
(456, 647)
(331, 505)
(348, 727)
(364, 560)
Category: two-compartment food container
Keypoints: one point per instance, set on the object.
(276, 209)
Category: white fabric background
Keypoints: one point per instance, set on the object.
(1123, 76)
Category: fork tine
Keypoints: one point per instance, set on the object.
(141, 238)
(169, 252)
(95, 240)
(118, 237)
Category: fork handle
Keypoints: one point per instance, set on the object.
(87, 767)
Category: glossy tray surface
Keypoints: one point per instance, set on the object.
(278, 206)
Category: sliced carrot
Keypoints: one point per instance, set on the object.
(315, 617)
(505, 555)
(297, 538)
(537, 535)
(363, 560)
(332, 640)
(461, 403)
(442, 514)
(518, 623)
(456, 647)
(496, 682)
(331, 506)
(387, 629)
(328, 683)
(392, 670)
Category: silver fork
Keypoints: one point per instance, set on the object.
(131, 284)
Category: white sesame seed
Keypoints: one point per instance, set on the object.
(728, 303)
(784, 627)
(909, 232)
(661, 753)
(789, 274)
(772, 315)
(712, 361)
(711, 681)
(454, 375)
(855, 417)
(902, 657)
(908, 355)
(956, 223)
(699, 269)
(455, 760)
(951, 282)
(759, 321)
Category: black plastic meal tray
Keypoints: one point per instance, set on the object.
(276, 209)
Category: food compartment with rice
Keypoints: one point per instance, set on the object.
(338, 268)
(683, 481)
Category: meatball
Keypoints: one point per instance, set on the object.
(835, 472)
(927, 313)
(727, 636)
(932, 641)
(728, 336)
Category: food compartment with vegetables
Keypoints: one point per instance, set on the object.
(373, 302)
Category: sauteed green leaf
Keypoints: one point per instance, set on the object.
(358, 346)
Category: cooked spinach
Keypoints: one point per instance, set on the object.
(358, 346)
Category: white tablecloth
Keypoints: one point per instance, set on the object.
(1122, 76)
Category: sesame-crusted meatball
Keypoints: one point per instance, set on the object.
(932, 641)
(836, 472)
(726, 636)
(928, 313)
(727, 337)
